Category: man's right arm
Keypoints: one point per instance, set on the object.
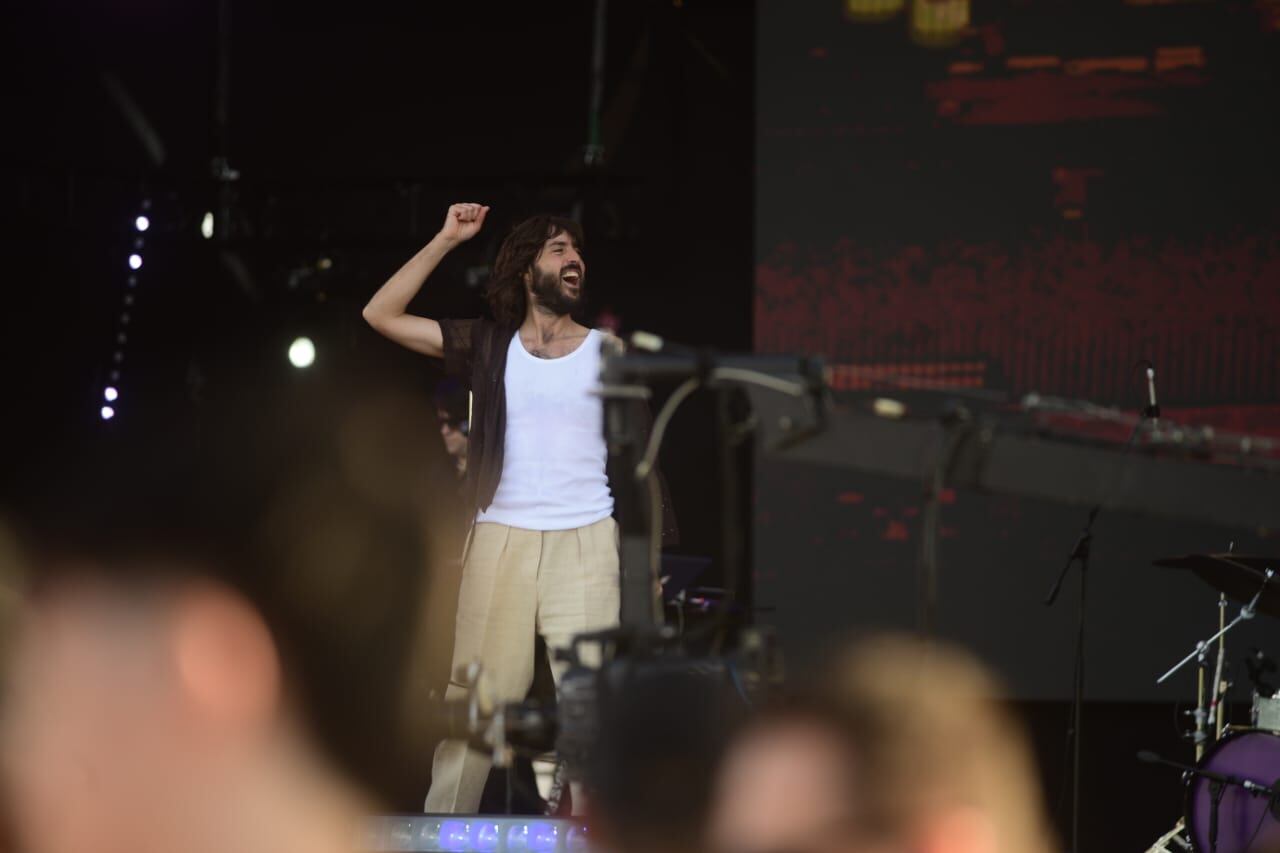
(386, 311)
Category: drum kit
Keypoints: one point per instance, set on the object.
(1232, 793)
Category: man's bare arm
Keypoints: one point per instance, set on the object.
(386, 310)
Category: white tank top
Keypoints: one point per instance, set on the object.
(553, 464)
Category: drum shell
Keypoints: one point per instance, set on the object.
(1244, 819)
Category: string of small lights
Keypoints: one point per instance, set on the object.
(111, 396)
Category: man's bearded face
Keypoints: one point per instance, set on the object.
(559, 276)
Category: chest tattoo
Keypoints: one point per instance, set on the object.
(544, 351)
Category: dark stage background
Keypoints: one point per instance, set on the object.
(1033, 203)
(1020, 231)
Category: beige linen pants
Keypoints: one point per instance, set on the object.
(558, 583)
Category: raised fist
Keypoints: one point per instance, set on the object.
(463, 221)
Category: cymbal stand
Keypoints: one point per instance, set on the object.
(1219, 687)
(1202, 712)
(1248, 611)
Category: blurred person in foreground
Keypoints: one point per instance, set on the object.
(904, 746)
(210, 645)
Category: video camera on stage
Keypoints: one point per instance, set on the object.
(589, 696)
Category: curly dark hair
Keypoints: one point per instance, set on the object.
(505, 291)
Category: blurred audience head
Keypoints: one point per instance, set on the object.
(903, 746)
(210, 642)
(662, 727)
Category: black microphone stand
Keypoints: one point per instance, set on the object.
(1080, 553)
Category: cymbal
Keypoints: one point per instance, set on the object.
(1238, 575)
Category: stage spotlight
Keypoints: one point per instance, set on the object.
(206, 226)
(110, 394)
(108, 413)
(135, 261)
(142, 223)
(302, 352)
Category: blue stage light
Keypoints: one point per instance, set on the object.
(518, 838)
(486, 837)
(455, 836)
(543, 837)
(475, 834)
(576, 840)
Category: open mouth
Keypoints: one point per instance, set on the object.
(572, 278)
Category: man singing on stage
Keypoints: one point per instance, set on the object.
(543, 553)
